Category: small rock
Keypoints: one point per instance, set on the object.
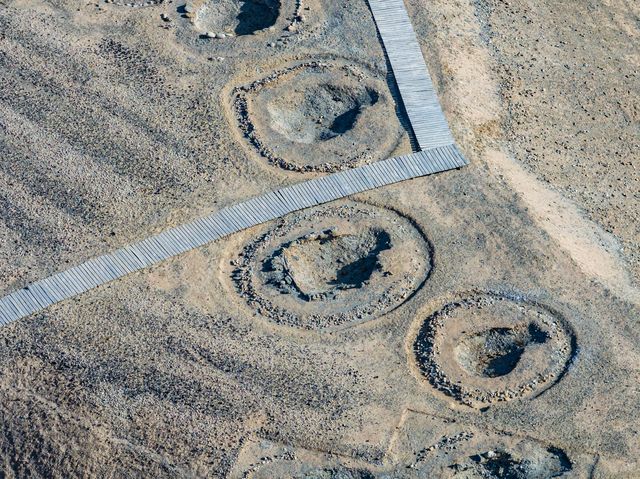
(211, 35)
(221, 35)
(165, 17)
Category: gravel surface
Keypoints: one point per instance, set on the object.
(118, 120)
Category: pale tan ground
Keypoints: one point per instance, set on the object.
(115, 124)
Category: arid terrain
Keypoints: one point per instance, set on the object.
(477, 323)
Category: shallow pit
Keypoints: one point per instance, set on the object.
(333, 265)
(491, 348)
(496, 352)
(318, 116)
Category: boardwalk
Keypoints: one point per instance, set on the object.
(410, 71)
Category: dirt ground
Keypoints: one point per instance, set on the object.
(480, 323)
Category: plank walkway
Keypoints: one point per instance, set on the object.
(438, 153)
(401, 45)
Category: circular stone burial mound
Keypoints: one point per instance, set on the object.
(318, 116)
(490, 348)
(333, 265)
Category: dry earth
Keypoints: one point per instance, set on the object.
(477, 323)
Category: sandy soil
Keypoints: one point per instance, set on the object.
(478, 323)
